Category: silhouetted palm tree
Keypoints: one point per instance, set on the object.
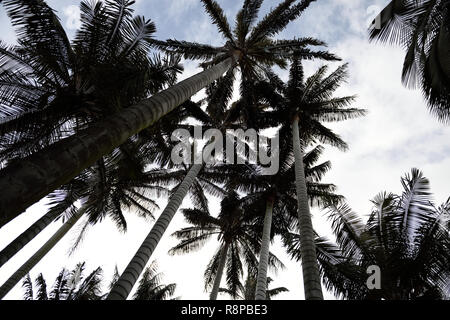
(69, 285)
(275, 196)
(151, 146)
(238, 237)
(187, 178)
(405, 236)
(304, 105)
(423, 29)
(52, 89)
(119, 182)
(70, 156)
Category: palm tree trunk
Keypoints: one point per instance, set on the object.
(30, 263)
(261, 283)
(310, 266)
(26, 181)
(124, 285)
(220, 269)
(21, 241)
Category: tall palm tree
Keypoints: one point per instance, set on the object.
(218, 116)
(405, 236)
(238, 239)
(248, 290)
(279, 191)
(423, 29)
(144, 75)
(275, 195)
(69, 285)
(52, 89)
(119, 182)
(306, 104)
(215, 116)
(38, 255)
(71, 155)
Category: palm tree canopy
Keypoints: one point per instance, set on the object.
(51, 87)
(69, 285)
(250, 44)
(422, 28)
(405, 235)
(279, 187)
(311, 100)
(231, 227)
(150, 287)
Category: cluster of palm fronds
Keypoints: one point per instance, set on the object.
(74, 285)
(422, 28)
(89, 124)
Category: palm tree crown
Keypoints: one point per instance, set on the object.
(234, 230)
(405, 236)
(422, 28)
(69, 285)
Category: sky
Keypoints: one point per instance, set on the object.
(397, 134)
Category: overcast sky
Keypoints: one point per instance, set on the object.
(397, 135)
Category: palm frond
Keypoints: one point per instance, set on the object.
(218, 18)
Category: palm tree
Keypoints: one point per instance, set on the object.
(69, 285)
(150, 287)
(145, 76)
(217, 116)
(52, 89)
(405, 236)
(275, 195)
(306, 104)
(189, 174)
(71, 155)
(423, 29)
(248, 291)
(238, 239)
(36, 257)
(119, 182)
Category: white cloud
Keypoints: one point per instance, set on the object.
(176, 8)
(72, 14)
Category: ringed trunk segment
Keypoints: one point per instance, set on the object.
(261, 283)
(127, 280)
(31, 263)
(27, 181)
(310, 266)
(21, 241)
(220, 269)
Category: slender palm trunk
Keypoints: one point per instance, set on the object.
(30, 263)
(26, 181)
(124, 285)
(310, 266)
(220, 269)
(21, 241)
(261, 283)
